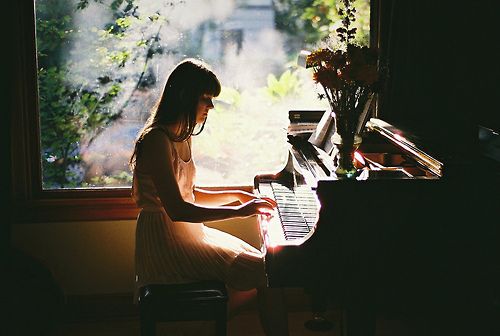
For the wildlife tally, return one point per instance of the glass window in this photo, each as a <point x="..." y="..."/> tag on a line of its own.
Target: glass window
<point x="101" y="65"/>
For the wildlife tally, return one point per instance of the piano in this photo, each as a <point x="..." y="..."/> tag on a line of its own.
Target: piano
<point x="395" y="236"/>
<point x="417" y="233"/>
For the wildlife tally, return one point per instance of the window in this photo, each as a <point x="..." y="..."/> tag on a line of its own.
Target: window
<point x="100" y="66"/>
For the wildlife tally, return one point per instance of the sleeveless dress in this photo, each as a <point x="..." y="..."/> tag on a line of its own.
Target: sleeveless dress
<point x="168" y="252"/>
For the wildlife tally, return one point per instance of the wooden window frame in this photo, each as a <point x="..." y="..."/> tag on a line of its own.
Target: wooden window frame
<point x="31" y="203"/>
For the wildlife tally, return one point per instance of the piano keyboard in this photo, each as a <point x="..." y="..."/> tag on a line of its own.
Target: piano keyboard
<point x="297" y="210"/>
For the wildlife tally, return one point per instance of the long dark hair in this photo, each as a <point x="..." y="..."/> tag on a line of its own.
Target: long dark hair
<point x="189" y="80"/>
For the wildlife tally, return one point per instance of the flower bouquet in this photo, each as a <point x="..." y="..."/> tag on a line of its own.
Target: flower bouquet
<point x="349" y="75"/>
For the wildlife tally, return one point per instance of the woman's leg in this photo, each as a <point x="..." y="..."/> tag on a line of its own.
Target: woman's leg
<point x="271" y="305"/>
<point x="239" y="301"/>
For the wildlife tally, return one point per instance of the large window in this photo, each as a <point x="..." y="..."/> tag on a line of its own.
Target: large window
<point x="101" y="65"/>
<point x="91" y="70"/>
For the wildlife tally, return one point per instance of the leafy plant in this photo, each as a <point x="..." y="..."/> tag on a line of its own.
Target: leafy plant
<point x="287" y="84"/>
<point x="80" y="96"/>
<point x="308" y="22"/>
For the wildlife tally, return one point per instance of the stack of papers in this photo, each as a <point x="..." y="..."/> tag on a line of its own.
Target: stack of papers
<point x="301" y="128"/>
<point x="303" y="122"/>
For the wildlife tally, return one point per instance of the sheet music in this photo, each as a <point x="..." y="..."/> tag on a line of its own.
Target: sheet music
<point x="364" y="115"/>
<point x="322" y="135"/>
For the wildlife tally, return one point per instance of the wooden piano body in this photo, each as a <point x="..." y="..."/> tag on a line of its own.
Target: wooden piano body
<point x="404" y="238"/>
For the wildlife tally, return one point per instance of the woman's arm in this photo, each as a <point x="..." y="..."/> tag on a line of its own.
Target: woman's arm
<point x="221" y="197"/>
<point x="226" y="197"/>
<point x="156" y="159"/>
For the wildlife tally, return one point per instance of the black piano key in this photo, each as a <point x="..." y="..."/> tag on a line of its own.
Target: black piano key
<point x="289" y="223"/>
<point x="289" y="231"/>
<point x="289" y="214"/>
<point x="294" y="223"/>
<point x="297" y="221"/>
<point x="292" y="220"/>
<point x="294" y="236"/>
<point x="295" y="226"/>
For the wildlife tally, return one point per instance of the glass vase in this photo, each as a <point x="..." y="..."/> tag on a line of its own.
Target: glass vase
<point x="347" y="142"/>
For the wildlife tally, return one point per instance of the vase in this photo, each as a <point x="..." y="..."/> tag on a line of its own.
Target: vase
<point x="347" y="141"/>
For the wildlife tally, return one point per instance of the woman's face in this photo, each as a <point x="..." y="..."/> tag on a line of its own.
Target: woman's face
<point x="204" y="105"/>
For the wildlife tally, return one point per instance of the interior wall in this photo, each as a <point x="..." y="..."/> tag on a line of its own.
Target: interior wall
<point x="85" y="258"/>
<point x="95" y="258"/>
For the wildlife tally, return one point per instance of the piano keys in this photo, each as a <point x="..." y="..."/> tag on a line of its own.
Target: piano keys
<point x="297" y="212"/>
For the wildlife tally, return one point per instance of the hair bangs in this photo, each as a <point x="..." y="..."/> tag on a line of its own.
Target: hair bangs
<point x="209" y="84"/>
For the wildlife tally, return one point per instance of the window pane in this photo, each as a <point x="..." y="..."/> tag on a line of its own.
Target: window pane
<point x="101" y="65"/>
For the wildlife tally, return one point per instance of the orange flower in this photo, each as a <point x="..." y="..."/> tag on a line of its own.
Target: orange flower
<point x="338" y="59"/>
<point x="319" y="57"/>
<point x="328" y="78"/>
<point x="362" y="74"/>
<point x="349" y="73"/>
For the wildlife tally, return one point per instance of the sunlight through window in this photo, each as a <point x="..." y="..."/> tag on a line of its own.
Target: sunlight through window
<point x="101" y="65"/>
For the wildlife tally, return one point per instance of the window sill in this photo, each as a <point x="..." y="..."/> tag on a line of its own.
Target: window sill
<point x="76" y="209"/>
<point x="85" y="205"/>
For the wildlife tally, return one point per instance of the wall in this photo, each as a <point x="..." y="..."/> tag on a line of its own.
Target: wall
<point x="86" y="258"/>
<point x="95" y="258"/>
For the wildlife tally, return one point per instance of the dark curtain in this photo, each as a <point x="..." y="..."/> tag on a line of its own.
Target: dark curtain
<point x="9" y="56"/>
<point x="31" y="298"/>
<point x="443" y="72"/>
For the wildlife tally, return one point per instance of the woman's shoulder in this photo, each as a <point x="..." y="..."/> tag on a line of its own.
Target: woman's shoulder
<point x="157" y="135"/>
<point x="157" y="132"/>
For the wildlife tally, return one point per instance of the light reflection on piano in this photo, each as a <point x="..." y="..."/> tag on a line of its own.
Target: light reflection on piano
<point x="295" y="218"/>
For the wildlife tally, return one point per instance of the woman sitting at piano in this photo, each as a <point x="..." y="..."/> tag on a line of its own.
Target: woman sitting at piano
<point x="172" y="244"/>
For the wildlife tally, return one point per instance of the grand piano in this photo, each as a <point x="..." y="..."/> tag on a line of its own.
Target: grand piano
<point x="416" y="233"/>
<point x="399" y="235"/>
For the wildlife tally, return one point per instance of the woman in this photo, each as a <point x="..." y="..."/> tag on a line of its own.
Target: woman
<point x="172" y="244"/>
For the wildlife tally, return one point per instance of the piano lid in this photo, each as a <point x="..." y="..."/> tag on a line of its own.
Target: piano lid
<point x="407" y="142"/>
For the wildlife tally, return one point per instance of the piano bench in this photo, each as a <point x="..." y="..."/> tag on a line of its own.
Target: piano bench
<point x="199" y="301"/>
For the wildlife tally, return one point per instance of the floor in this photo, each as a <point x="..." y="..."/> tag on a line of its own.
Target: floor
<point x="245" y="323"/>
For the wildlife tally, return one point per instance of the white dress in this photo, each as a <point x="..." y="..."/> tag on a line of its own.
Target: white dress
<point x="168" y="252"/>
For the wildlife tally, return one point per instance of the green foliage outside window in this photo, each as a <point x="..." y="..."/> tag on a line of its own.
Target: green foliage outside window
<point x="308" y="22"/>
<point x="84" y="87"/>
<point x="287" y="84"/>
<point x="73" y="113"/>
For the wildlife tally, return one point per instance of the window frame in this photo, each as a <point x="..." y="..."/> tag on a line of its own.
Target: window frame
<point x="33" y="204"/>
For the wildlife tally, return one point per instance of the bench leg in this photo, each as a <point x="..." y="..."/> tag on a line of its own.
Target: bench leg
<point x="221" y="321"/>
